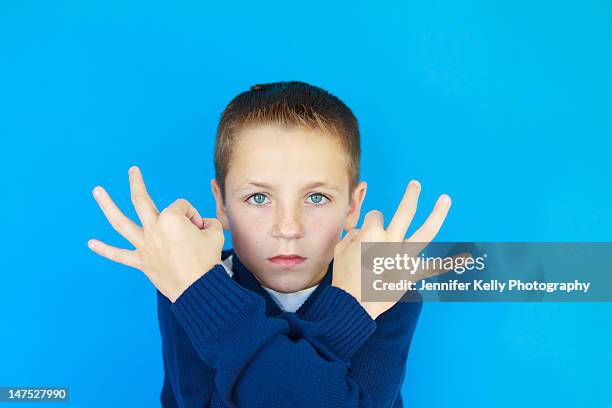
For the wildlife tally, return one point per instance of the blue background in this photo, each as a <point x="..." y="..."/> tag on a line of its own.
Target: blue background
<point x="504" y="106"/>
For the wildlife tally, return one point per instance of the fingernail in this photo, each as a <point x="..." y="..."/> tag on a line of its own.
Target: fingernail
<point x="96" y="191"/>
<point x="91" y="243"/>
<point x="132" y="170"/>
<point x="415" y="183"/>
<point x="446" y="199"/>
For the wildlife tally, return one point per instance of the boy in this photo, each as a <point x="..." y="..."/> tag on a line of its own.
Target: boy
<point x="277" y="320"/>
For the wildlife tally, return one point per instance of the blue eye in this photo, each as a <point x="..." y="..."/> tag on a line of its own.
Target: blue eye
<point x="258" y="199"/>
<point x="317" y="198"/>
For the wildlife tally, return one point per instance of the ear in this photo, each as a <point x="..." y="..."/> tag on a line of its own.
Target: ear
<point x="220" y="207"/>
<point x="355" y="206"/>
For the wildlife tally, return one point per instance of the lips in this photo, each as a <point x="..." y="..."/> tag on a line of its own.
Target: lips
<point x="287" y="260"/>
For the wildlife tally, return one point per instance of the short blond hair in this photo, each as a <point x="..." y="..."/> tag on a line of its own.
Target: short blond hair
<point x="287" y="104"/>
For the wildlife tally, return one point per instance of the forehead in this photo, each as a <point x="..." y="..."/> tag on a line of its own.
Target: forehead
<point x="287" y="156"/>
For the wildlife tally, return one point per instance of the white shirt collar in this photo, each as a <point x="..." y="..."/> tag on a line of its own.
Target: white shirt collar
<point x="288" y="302"/>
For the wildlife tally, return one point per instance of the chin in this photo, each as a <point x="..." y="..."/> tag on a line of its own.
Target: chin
<point x="287" y="284"/>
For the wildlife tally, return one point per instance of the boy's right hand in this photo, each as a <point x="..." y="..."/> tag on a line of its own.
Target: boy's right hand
<point x="347" y="254"/>
<point x="174" y="248"/>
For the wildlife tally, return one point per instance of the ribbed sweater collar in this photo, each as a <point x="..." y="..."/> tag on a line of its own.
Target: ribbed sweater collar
<point x="245" y="277"/>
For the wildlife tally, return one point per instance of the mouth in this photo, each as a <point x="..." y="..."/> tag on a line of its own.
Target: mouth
<point x="287" y="260"/>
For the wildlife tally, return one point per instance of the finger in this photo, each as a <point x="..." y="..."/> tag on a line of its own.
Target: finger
<point x="145" y="208"/>
<point x="211" y="223"/>
<point x="373" y="219"/>
<point x="122" y="224"/>
<point x="446" y="266"/>
<point x="184" y="207"/>
<point x="123" y="256"/>
<point x="196" y="219"/>
<point x="432" y="224"/>
<point x="350" y="236"/>
<point x="405" y="212"/>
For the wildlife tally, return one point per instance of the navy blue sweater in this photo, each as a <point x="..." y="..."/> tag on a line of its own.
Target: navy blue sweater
<point x="226" y="343"/>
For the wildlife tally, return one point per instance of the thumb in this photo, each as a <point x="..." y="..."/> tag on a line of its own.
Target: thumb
<point x="212" y="224"/>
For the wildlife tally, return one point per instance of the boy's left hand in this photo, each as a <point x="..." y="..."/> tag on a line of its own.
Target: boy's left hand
<point x="174" y="248"/>
<point x="347" y="253"/>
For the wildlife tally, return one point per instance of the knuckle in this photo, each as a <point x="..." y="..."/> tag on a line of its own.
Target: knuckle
<point x="180" y="202"/>
<point x="118" y="224"/>
<point x="139" y="264"/>
<point x="136" y="197"/>
<point x="166" y="216"/>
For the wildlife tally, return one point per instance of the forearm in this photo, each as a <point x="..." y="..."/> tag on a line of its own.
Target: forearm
<point x="261" y="360"/>
<point x="378" y="365"/>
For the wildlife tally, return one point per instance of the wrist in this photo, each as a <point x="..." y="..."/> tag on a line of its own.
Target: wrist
<point x="371" y="308"/>
<point x="355" y="292"/>
<point x="197" y="274"/>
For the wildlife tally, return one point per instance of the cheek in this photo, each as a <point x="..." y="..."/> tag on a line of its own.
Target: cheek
<point x="248" y="230"/>
<point x="325" y="229"/>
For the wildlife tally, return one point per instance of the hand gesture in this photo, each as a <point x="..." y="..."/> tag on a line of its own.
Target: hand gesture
<point x="173" y="248"/>
<point x="347" y="254"/>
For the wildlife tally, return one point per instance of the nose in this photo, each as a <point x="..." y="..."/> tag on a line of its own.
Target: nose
<point x="288" y="224"/>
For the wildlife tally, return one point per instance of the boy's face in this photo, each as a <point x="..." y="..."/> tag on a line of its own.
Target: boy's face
<point x="286" y="192"/>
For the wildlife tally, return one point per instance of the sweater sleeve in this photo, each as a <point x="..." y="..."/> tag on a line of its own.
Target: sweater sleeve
<point x="331" y="321"/>
<point x="379" y="364"/>
<point x="259" y="360"/>
<point x="188" y="381"/>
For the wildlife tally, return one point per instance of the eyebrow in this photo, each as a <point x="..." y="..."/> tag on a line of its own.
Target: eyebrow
<point x="253" y="183"/>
